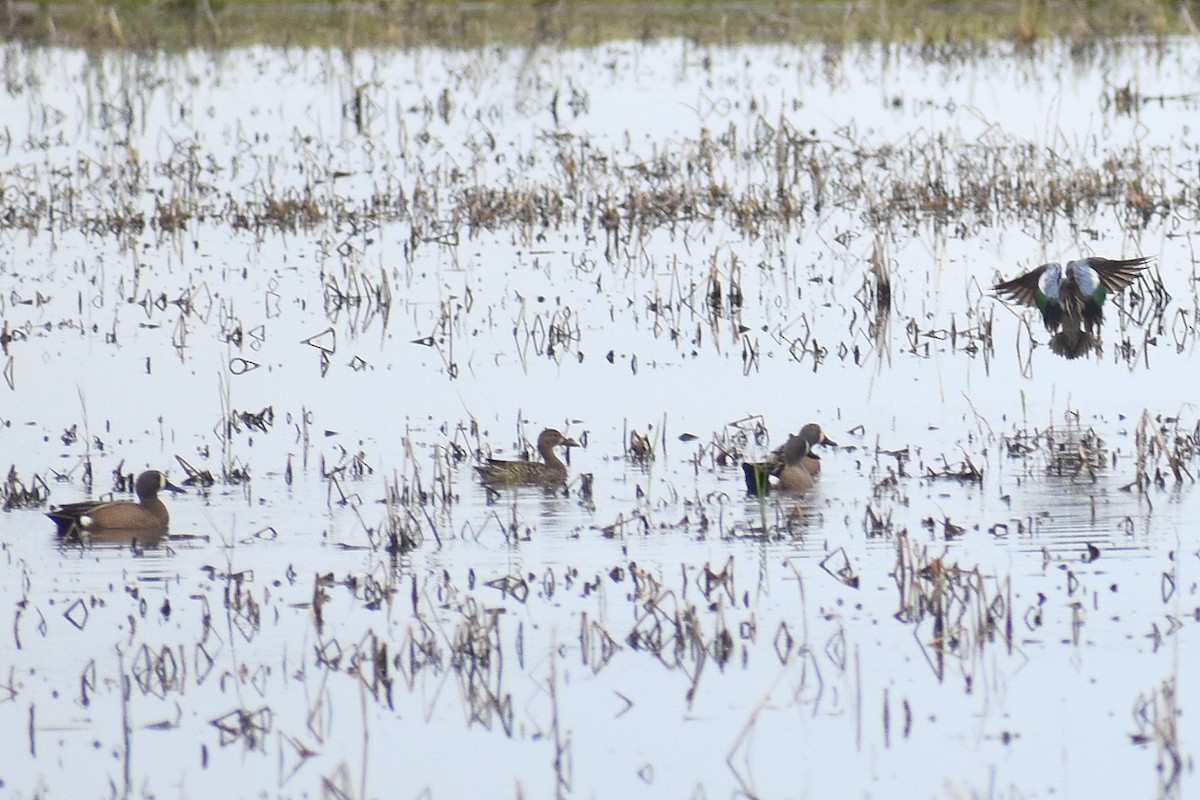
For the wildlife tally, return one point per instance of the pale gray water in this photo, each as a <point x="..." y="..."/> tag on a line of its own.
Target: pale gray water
<point x="825" y="691"/>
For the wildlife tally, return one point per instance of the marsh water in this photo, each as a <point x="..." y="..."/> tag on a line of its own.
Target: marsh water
<point x="335" y="279"/>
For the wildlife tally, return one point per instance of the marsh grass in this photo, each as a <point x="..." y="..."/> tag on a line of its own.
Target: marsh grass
<point x="940" y="29"/>
<point x="14" y="493"/>
<point x="956" y="612"/>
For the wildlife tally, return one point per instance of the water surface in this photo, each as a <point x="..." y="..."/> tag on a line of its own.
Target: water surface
<point x="354" y="272"/>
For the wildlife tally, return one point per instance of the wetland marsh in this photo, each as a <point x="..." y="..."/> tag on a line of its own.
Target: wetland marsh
<point x="323" y="283"/>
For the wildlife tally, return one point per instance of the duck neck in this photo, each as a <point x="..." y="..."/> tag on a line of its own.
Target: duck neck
<point x="551" y="458"/>
<point x="157" y="509"/>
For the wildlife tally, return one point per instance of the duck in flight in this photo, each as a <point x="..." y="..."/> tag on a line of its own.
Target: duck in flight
<point x="1071" y="299"/>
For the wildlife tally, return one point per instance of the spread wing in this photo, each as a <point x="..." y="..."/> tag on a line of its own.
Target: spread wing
<point x="1024" y="288"/>
<point x="1116" y="274"/>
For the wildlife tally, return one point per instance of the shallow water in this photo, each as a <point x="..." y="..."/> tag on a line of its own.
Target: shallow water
<point x="196" y="239"/>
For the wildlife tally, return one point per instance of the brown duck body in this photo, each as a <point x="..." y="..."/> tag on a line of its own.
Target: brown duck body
<point x="794" y="465"/>
<point x="147" y="514"/>
<point x="549" y="470"/>
<point x="795" y="475"/>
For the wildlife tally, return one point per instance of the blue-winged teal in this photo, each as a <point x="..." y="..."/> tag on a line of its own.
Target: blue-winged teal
<point x="148" y="514"/>
<point x="549" y="470"/>
<point x="1072" y="299"/>
<point x="795" y="475"/>
<point x="797" y="452"/>
<point x="812" y="434"/>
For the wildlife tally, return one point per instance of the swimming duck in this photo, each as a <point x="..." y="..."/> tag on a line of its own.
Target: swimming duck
<point x="795" y="475"/>
<point x="148" y="513"/>
<point x="799" y="449"/>
<point x="549" y="470"/>
<point x="812" y="434"/>
<point x="1072" y="299"/>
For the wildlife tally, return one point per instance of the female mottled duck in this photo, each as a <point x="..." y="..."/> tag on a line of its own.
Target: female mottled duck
<point x="549" y="470"/>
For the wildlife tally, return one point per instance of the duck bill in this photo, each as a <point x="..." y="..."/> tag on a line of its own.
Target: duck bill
<point x="570" y="443"/>
<point x="170" y="487"/>
<point x="828" y="443"/>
